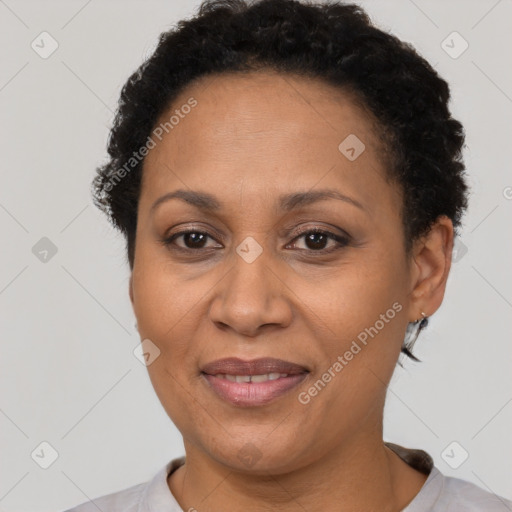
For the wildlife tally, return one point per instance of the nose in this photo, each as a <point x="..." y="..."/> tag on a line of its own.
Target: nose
<point x="252" y="298"/>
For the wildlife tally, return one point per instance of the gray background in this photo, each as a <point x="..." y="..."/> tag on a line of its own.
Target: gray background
<point x="68" y="375"/>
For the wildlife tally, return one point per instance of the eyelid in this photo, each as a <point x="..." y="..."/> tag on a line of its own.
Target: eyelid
<point x="210" y="231"/>
<point x="330" y="230"/>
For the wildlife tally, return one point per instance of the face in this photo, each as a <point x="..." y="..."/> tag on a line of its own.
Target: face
<point x="293" y="251"/>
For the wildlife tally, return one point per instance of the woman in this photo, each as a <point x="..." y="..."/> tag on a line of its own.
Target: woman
<point x="289" y="180"/>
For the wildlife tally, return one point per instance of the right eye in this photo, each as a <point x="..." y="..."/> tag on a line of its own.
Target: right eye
<point x="193" y="240"/>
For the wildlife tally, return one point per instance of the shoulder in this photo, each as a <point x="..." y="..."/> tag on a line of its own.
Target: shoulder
<point x="460" y="495"/>
<point x="152" y="495"/>
<point x="127" y="500"/>
<point x="441" y="493"/>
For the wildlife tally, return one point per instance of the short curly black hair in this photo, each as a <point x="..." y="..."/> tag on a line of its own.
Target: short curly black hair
<point x="335" y="42"/>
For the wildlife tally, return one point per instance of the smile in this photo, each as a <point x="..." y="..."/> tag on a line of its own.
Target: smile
<point x="252" y="390"/>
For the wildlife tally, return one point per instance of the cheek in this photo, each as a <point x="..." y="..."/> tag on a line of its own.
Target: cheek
<point x="360" y="316"/>
<point x="162" y="299"/>
<point x="360" y="332"/>
<point x="167" y="308"/>
<point x="354" y="296"/>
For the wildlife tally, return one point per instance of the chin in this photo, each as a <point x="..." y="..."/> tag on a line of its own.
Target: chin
<point x="255" y="456"/>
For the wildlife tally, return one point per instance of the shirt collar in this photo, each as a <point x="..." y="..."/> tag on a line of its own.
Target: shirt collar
<point x="158" y="497"/>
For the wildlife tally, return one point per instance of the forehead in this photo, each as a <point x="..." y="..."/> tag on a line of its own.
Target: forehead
<point x="264" y="131"/>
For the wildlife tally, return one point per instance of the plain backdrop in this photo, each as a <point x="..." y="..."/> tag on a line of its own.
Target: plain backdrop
<point x="68" y="374"/>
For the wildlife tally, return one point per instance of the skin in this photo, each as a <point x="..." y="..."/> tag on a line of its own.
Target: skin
<point x="250" y="139"/>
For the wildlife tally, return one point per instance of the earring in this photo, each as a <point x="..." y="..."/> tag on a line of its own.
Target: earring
<point x="412" y="332"/>
<point x="421" y="324"/>
<point x="422" y="321"/>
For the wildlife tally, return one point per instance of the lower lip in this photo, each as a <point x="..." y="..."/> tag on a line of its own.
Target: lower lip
<point x="252" y="394"/>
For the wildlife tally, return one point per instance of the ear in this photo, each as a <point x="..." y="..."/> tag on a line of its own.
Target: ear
<point x="431" y="261"/>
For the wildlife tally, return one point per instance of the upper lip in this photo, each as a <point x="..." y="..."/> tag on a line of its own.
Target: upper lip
<point x="262" y="366"/>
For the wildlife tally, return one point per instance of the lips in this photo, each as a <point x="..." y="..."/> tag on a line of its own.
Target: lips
<point x="252" y="383"/>
<point x="235" y="366"/>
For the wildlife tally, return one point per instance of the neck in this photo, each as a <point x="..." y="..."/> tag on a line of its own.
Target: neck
<point x="360" y="474"/>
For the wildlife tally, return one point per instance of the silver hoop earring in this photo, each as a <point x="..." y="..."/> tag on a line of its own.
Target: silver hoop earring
<point x="413" y="331"/>
<point x="422" y="321"/>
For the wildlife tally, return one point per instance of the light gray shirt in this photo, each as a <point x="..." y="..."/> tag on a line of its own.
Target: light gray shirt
<point x="438" y="494"/>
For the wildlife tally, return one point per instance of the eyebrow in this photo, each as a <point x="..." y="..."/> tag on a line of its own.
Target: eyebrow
<point x="288" y="202"/>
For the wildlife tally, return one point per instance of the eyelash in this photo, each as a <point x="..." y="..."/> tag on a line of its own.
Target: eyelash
<point x="341" y="240"/>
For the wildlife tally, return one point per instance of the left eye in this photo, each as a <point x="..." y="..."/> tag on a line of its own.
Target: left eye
<point x="316" y="240"/>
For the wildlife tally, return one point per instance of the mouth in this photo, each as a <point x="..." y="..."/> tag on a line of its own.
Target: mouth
<point x="252" y="383"/>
